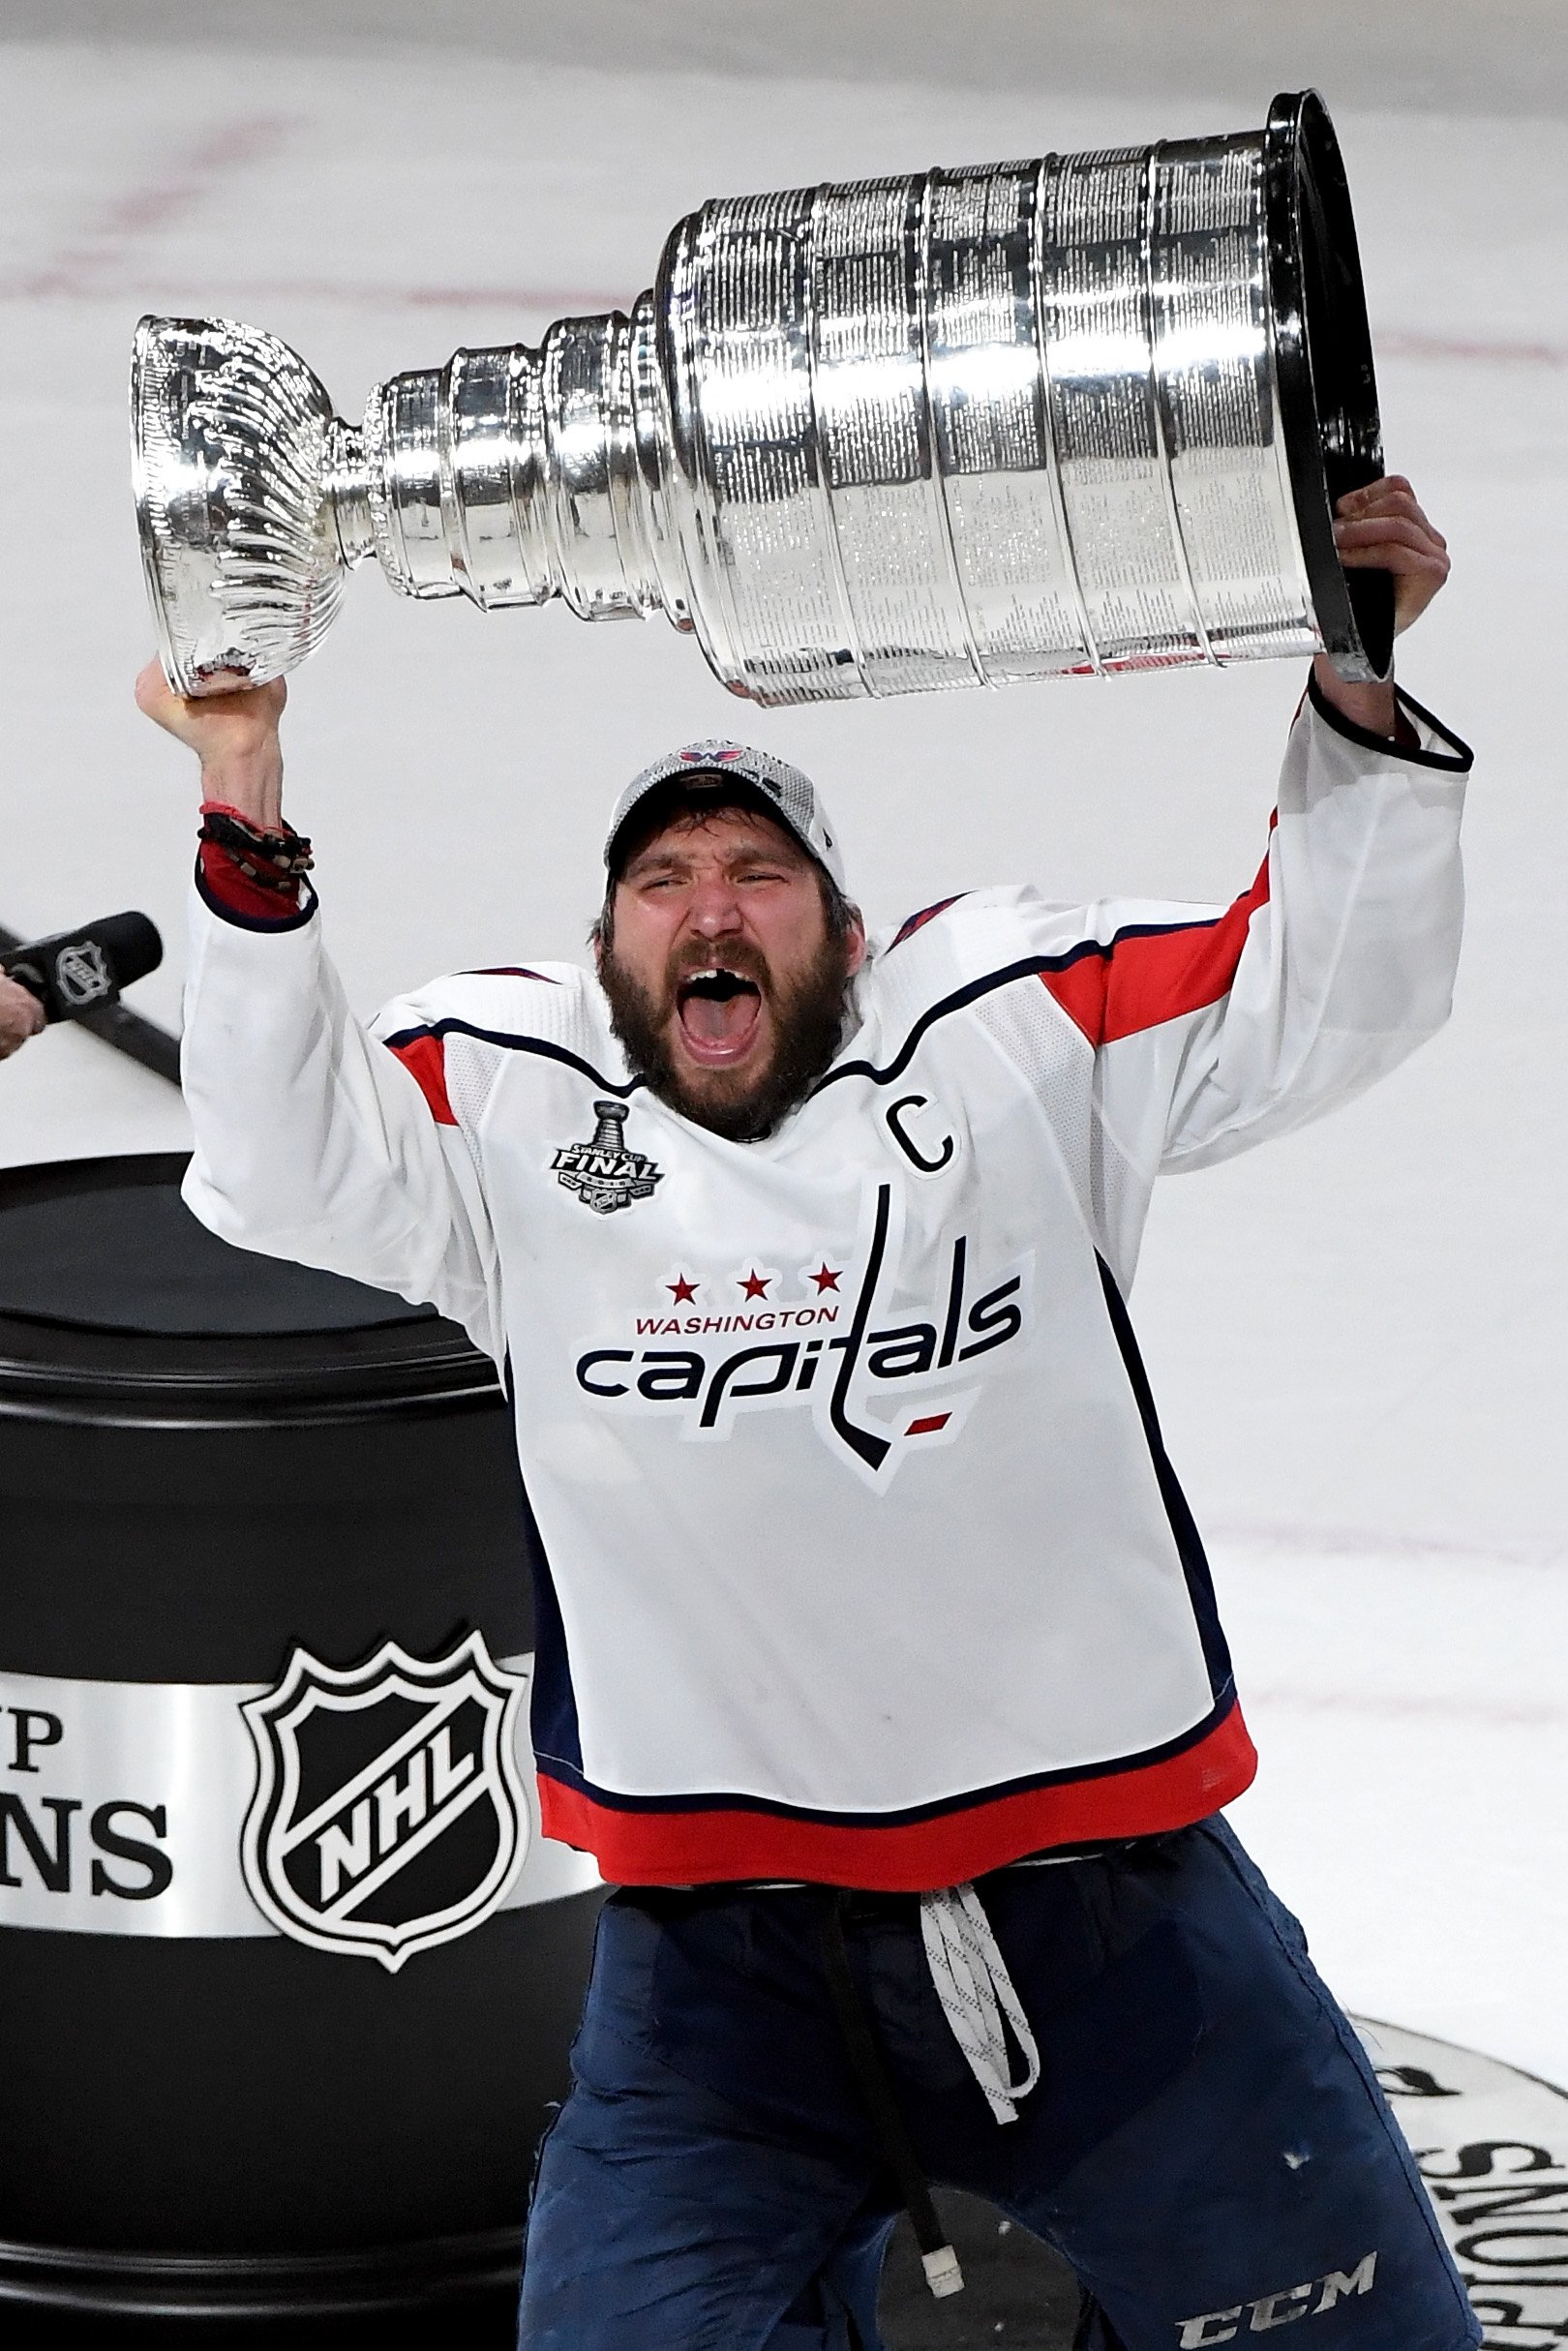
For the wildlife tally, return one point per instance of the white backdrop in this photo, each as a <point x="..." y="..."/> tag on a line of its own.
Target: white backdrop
<point x="1356" y="1334"/>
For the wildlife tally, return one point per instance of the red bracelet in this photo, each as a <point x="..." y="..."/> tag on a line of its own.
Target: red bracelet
<point x="238" y="895"/>
<point x="272" y="857"/>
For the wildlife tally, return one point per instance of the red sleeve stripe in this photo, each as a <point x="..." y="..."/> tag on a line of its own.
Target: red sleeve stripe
<point x="1142" y="978"/>
<point x="424" y="1057"/>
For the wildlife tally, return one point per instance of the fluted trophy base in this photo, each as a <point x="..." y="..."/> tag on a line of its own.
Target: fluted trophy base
<point x="1073" y="416"/>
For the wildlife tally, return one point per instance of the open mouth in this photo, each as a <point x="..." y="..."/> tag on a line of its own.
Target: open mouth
<point x="719" y="1012"/>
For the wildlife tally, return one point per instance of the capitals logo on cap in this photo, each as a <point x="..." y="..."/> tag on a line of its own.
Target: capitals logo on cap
<point x="791" y="796"/>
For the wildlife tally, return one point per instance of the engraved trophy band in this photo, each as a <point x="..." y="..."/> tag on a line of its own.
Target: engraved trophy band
<point x="1082" y="415"/>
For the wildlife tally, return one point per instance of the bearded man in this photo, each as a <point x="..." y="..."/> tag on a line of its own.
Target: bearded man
<point x="878" y="1662"/>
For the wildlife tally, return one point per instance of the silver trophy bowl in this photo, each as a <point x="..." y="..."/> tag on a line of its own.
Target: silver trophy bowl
<point x="1077" y="415"/>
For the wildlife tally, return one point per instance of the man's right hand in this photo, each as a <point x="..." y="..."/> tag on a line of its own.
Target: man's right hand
<point x="21" y="1015"/>
<point x="235" y="735"/>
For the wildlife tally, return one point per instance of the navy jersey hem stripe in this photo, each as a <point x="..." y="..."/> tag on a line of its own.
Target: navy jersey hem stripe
<point x="570" y="1775"/>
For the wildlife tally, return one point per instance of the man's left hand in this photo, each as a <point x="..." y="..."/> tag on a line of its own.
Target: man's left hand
<point x="1382" y="528"/>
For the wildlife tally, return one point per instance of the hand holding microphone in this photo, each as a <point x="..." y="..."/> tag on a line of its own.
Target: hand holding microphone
<point x="79" y="971"/>
<point x="78" y="975"/>
<point x="21" y="1017"/>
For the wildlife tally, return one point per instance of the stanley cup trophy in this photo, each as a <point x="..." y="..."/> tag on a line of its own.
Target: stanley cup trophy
<point x="1078" y="415"/>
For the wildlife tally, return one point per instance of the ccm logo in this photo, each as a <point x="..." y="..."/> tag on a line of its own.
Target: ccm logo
<point x="1278" y="2310"/>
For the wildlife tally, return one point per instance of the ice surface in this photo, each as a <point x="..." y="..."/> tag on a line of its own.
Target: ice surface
<point x="1356" y="1335"/>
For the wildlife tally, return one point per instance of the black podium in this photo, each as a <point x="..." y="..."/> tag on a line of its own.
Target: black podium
<point x="282" y="2059"/>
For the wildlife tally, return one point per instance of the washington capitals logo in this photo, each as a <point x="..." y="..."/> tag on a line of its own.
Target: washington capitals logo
<point x="390" y="1813"/>
<point x="602" y="1172"/>
<point x="882" y="1372"/>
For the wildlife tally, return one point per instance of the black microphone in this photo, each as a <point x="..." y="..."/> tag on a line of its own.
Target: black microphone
<point x="76" y="973"/>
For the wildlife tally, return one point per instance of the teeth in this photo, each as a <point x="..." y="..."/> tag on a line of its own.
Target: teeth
<point x="716" y="982"/>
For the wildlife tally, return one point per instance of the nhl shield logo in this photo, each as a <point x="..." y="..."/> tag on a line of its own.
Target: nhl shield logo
<point x="390" y="1813"/>
<point x="82" y="975"/>
<point x="602" y="1172"/>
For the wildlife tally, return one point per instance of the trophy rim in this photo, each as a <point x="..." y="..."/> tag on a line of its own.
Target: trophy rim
<point x="1305" y="198"/>
<point x="281" y="591"/>
<point x="144" y="343"/>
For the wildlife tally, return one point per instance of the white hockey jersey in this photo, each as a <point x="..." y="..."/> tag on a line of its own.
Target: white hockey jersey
<point x="858" y="1555"/>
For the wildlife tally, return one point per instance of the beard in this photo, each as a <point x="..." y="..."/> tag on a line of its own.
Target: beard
<point x="809" y="1010"/>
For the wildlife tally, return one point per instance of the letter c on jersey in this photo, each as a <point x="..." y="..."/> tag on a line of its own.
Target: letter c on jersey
<point x="600" y="1355"/>
<point x="917" y="1158"/>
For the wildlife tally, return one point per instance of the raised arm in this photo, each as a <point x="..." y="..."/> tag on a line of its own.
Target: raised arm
<point x="313" y="1142"/>
<point x="1217" y="1027"/>
<point x="1340" y="960"/>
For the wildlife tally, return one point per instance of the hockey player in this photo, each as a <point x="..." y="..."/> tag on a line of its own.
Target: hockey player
<point x="878" y="1662"/>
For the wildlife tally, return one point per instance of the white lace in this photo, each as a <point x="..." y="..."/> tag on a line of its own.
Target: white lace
<point x="975" y="1991"/>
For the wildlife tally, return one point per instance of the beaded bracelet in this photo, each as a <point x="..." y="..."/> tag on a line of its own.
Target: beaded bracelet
<point x="271" y="858"/>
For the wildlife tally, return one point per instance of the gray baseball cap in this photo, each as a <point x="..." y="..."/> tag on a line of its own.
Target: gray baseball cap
<point x="788" y="794"/>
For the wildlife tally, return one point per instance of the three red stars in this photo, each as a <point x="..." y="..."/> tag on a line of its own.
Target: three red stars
<point x="754" y="1285"/>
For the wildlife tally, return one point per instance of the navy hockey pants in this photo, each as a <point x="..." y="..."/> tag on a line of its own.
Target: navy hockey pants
<point x="1208" y="2146"/>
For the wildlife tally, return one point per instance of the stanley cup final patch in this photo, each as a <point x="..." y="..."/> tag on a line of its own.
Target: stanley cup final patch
<point x="602" y="1172"/>
<point x="390" y="1813"/>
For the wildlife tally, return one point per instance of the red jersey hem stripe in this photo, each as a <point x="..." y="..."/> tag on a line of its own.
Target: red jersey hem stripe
<point x="706" y="1847"/>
